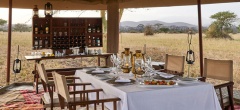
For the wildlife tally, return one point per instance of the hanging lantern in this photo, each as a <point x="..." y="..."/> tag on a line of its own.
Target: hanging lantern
<point x="17" y="64"/>
<point x="190" y="58"/>
<point x="137" y="63"/>
<point x="126" y="55"/>
<point x="48" y="10"/>
<point x="35" y="12"/>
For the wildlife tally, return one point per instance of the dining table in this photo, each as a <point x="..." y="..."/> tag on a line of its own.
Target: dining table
<point x="134" y="96"/>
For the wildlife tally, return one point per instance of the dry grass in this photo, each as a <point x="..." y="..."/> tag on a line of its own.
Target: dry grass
<point x="157" y="46"/>
<point x="176" y="44"/>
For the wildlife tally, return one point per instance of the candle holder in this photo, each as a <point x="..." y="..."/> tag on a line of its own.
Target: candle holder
<point x="137" y="63"/>
<point x="35" y="12"/>
<point x="126" y="55"/>
<point x="48" y="10"/>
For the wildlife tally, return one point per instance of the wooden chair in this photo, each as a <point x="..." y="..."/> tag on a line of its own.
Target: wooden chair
<point x="174" y="65"/>
<point x="50" y="98"/>
<point x="64" y="94"/>
<point x="220" y="70"/>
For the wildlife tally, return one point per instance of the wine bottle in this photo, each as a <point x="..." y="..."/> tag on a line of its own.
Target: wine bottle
<point x="98" y="29"/>
<point x="47" y="28"/>
<point x="36" y="41"/>
<point x="46" y="42"/>
<point x="40" y="42"/>
<point x="93" y="29"/>
<point x="65" y="32"/>
<point x="98" y="42"/>
<point x="89" y="28"/>
<point x="35" y="28"/>
<point x="89" y="41"/>
<point x="41" y="29"/>
<point x="93" y="41"/>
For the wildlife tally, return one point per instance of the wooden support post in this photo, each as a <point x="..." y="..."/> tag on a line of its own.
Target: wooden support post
<point x="112" y="27"/>
<point x="9" y="41"/>
<point x="200" y="36"/>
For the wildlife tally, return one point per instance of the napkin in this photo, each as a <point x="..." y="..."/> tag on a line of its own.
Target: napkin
<point x="121" y="79"/>
<point x="98" y="71"/>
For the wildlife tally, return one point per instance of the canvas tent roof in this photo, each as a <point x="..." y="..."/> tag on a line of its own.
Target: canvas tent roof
<point x="101" y="4"/>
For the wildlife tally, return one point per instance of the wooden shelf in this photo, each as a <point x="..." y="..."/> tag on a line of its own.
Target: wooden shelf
<point x="64" y="33"/>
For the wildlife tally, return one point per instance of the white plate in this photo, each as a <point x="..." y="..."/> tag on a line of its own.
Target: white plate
<point x="165" y="75"/>
<point x="105" y="69"/>
<point x="187" y="79"/>
<point x="98" y="72"/>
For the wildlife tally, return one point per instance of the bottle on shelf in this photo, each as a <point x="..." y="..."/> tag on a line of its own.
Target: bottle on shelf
<point x="40" y="42"/>
<point x="89" y="41"/>
<point x="93" y="29"/>
<point x="35" y="41"/>
<point x="41" y="29"/>
<point x="98" y="43"/>
<point x="98" y="29"/>
<point x="93" y="41"/>
<point x="47" y="28"/>
<point x="89" y="28"/>
<point x="65" y="32"/>
<point x="46" y="42"/>
<point x="35" y="28"/>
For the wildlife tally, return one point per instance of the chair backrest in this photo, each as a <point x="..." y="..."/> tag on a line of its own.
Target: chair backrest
<point x="174" y="63"/>
<point x="42" y="73"/>
<point x="61" y="86"/>
<point x="218" y="69"/>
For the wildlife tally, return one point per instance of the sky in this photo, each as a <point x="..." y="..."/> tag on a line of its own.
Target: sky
<point x="186" y="14"/>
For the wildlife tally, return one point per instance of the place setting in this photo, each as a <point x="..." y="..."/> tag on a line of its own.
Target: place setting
<point x="187" y="81"/>
<point x="97" y="70"/>
<point x="120" y="81"/>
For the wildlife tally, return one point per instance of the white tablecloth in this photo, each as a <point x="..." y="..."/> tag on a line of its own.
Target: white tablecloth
<point x="199" y="96"/>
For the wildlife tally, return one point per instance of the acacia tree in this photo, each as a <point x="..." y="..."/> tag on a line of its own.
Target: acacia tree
<point x="21" y="27"/>
<point x="2" y="22"/>
<point x="221" y="27"/>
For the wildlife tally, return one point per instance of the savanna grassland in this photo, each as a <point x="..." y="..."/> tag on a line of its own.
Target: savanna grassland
<point x="157" y="46"/>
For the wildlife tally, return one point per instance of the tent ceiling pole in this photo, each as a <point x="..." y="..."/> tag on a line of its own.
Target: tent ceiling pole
<point x="112" y="27"/>
<point x="9" y="41"/>
<point x="200" y="36"/>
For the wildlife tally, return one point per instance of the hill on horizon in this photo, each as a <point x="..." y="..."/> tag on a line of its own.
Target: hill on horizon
<point x="152" y="22"/>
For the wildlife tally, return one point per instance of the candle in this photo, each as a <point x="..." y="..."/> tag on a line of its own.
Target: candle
<point x="126" y="65"/>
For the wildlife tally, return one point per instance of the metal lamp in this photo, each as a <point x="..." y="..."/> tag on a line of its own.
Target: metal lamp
<point x="35" y="12"/>
<point x="190" y="58"/>
<point x="137" y="62"/>
<point x="17" y="64"/>
<point x="126" y="55"/>
<point x="48" y="10"/>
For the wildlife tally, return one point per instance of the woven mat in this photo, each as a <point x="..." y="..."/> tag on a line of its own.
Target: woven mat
<point x="20" y="100"/>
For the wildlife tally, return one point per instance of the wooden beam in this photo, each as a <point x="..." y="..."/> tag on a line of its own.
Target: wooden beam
<point x="200" y="36"/>
<point x="9" y="41"/>
<point x="112" y="27"/>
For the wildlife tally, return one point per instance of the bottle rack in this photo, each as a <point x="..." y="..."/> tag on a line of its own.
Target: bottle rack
<point x="65" y="33"/>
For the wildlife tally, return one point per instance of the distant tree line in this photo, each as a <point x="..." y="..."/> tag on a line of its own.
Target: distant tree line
<point x="157" y="28"/>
